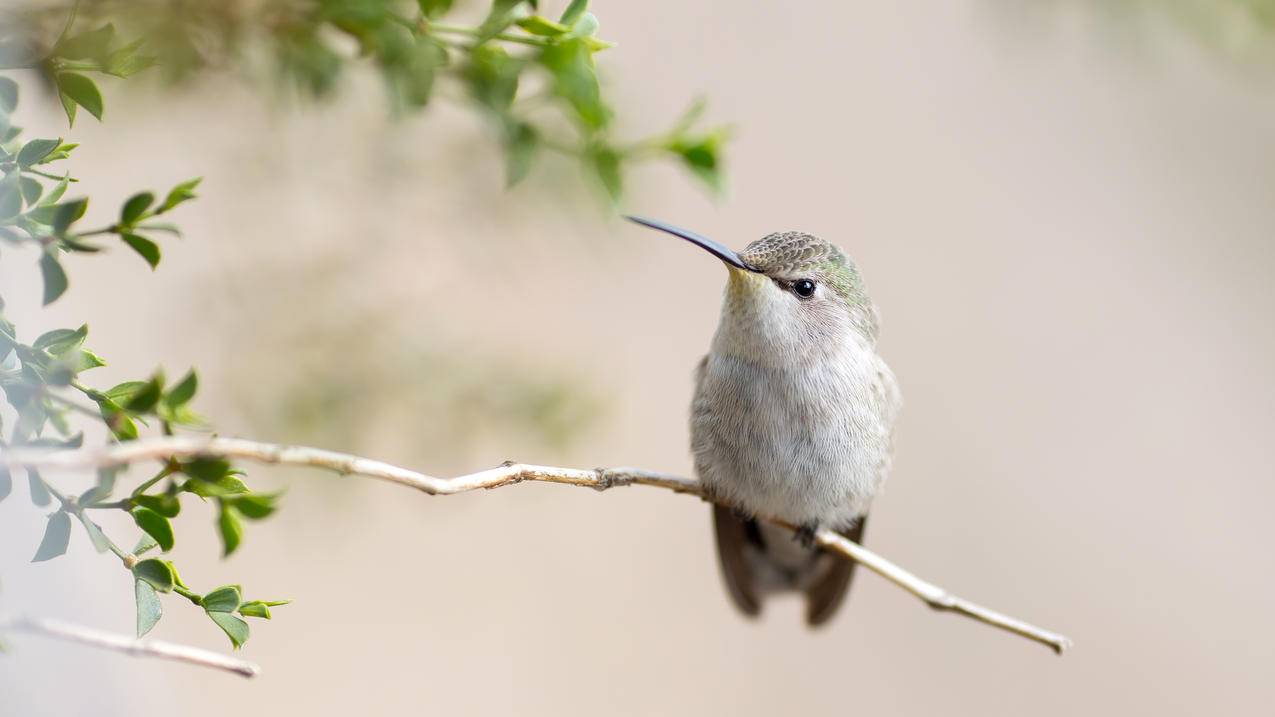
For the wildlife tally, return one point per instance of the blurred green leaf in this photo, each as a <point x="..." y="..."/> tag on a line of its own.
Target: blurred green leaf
<point x="235" y="629"/>
<point x="230" y="529"/>
<point x="149" y="609"/>
<point x="520" y="151"/>
<point x="31" y="190"/>
<point x="254" y="506"/>
<point x="135" y="207"/>
<point x="573" y="12"/>
<point x="67" y="213"/>
<point x="181" y="394"/>
<point x="53" y="276"/>
<point x="39" y="494"/>
<point x="8" y="95"/>
<point x="6" y="482"/>
<point x="181" y="193"/>
<point x="144" y="398"/>
<point x="144" y="544"/>
<point x="148" y="249"/>
<point x="102" y="489"/>
<point x="82" y="90"/>
<point x="36" y="150"/>
<point x="165" y="504"/>
<point x="59" y="341"/>
<point x="96" y="536"/>
<point x="155" y="525"/>
<point x="158" y="573"/>
<point x="57" y="535"/>
<point x="434" y="8"/>
<point x="224" y="599"/>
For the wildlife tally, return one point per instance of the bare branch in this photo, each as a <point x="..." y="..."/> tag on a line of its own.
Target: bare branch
<point x="507" y="474"/>
<point x="128" y="645"/>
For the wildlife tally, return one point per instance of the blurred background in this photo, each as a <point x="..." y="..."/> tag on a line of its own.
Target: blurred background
<point x="1063" y="209"/>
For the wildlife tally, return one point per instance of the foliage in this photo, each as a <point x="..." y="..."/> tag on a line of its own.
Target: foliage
<point x="534" y="78"/>
<point x="50" y="403"/>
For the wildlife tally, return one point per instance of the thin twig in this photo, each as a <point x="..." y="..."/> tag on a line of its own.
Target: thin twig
<point x="128" y="645"/>
<point x="507" y="474"/>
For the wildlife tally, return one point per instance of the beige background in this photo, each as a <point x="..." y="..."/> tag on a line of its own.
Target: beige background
<point x="1066" y="219"/>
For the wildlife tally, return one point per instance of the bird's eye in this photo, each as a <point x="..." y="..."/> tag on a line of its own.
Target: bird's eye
<point x="804" y="288"/>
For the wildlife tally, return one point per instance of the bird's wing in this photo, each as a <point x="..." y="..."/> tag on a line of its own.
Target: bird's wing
<point x="826" y="594"/>
<point x="734" y="540"/>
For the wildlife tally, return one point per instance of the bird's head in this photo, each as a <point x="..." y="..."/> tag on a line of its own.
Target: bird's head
<point x="792" y="297"/>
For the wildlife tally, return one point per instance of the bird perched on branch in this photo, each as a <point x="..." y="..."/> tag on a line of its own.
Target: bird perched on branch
<point x="793" y="416"/>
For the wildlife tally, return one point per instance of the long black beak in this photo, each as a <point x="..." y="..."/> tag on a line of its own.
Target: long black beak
<point x="720" y="251"/>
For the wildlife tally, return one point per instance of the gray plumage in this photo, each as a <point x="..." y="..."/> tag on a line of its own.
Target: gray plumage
<point x="792" y="418"/>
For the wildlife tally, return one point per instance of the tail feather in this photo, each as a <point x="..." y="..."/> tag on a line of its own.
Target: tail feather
<point x="752" y="565"/>
<point x="826" y="594"/>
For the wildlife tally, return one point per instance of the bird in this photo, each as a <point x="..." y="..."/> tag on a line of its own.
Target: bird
<point x="792" y="416"/>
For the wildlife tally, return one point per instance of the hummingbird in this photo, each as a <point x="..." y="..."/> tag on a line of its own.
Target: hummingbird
<point x="792" y="417"/>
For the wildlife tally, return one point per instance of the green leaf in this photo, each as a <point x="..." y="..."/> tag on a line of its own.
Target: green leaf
<point x="230" y="528"/>
<point x="104" y="487"/>
<point x="54" y="278"/>
<point x="224" y="599"/>
<point x="35" y="150"/>
<point x="10" y="196"/>
<point x="224" y="486"/>
<point x="144" y="544"/>
<point x="59" y="341"/>
<point x="573" y="12"/>
<point x="96" y="536"/>
<point x="207" y="469"/>
<point x="606" y="163"/>
<point x="69" y="107"/>
<point x="148" y="249"/>
<point x="6" y="482"/>
<point x="576" y="80"/>
<point x="58" y="190"/>
<point x="537" y="25"/>
<point x="8" y="95"/>
<point x="255" y="608"/>
<point x="82" y="90"/>
<point x="127" y="61"/>
<point x="39" y="494"/>
<point x="520" y="151"/>
<point x="181" y="394"/>
<point x="149" y="609"/>
<point x="165" y="504"/>
<point x="254" y="506"/>
<point x="434" y="8"/>
<point x="67" y="213"/>
<point x="122" y="393"/>
<point x="31" y="190"/>
<point x="159" y="573"/>
<point x="88" y="45"/>
<point x="235" y="629"/>
<point x="155" y="525"/>
<point x="135" y="206"/>
<point x="145" y="398"/>
<point x="57" y="535"/>
<point x="181" y="193"/>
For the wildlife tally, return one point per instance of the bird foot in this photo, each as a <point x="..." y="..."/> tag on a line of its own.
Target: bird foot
<point x="806" y="535"/>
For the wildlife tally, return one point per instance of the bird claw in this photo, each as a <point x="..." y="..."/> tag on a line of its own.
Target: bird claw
<point x="806" y="535"/>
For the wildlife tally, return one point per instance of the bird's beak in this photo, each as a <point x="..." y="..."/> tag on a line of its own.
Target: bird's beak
<point x="720" y="251"/>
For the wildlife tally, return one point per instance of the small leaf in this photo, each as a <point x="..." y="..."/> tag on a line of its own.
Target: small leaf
<point x="159" y="573"/>
<point x="105" y="485"/>
<point x="69" y="107"/>
<point x="165" y="504"/>
<point x="181" y="394"/>
<point x="144" y="544"/>
<point x="224" y="486"/>
<point x="36" y="150"/>
<point x="145" y="398"/>
<point x="39" y="494"/>
<point x="254" y="506"/>
<point x="31" y="190"/>
<point x="100" y="543"/>
<point x="67" y="213"/>
<point x="6" y="482"/>
<point x="230" y="528"/>
<point x="54" y="278"/>
<point x="8" y="95"/>
<point x="520" y="150"/>
<point x="155" y="525"/>
<point x="148" y="249"/>
<point x="235" y="629"/>
<point x="255" y="608"/>
<point x="224" y="599"/>
<point x="82" y="90"/>
<point x="10" y="196"/>
<point x="57" y="535"/>
<point x="59" y="341"/>
<point x="135" y="206"/>
<point x="149" y="609"/>
<point x="433" y="8"/>
<point x="537" y="25"/>
<point x="573" y="12"/>
<point x="181" y="193"/>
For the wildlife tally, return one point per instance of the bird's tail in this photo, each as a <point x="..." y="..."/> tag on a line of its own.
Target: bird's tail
<point x="757" y="559"/>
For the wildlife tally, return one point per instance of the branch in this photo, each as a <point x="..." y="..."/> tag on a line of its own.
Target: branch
<point x="507" y="474"/>
<point x="129" y="645"/>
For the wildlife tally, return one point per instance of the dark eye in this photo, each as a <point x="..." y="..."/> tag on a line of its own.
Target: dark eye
<point x="803" y="288"/>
